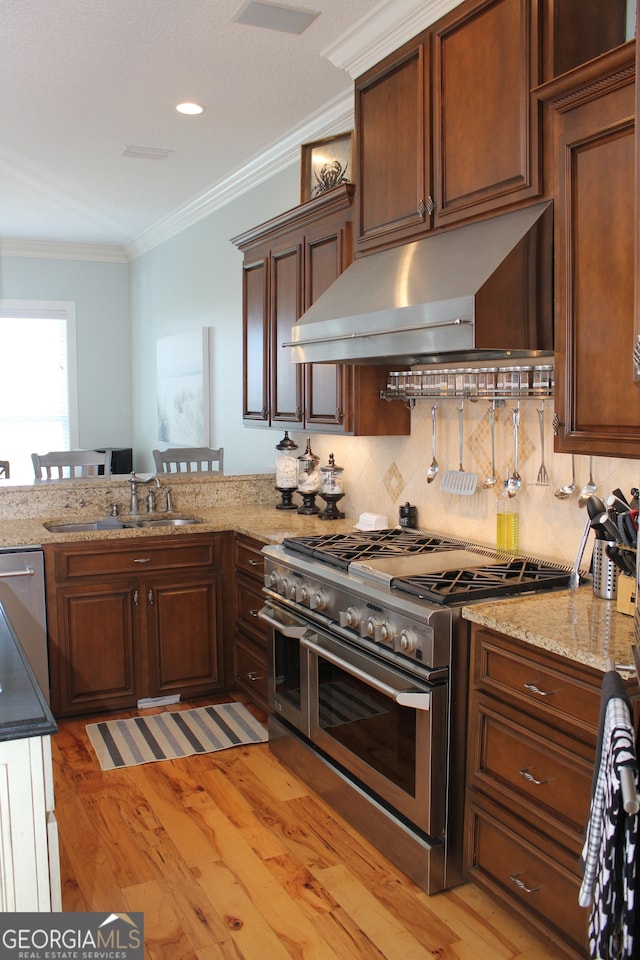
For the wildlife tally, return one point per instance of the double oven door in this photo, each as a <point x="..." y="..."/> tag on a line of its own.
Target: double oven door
<point x="383" y="727"/>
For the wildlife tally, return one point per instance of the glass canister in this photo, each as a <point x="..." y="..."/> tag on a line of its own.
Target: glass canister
<point x="507" y="522"/>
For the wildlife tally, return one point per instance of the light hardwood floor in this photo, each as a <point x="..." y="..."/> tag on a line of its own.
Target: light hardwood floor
<point x="230" y="857"/>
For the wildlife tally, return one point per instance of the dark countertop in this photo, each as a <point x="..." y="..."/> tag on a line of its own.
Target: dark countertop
<point x="24" y="711"/>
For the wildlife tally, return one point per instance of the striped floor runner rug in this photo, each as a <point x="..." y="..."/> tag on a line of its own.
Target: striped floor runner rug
<point x="166" y="736"/>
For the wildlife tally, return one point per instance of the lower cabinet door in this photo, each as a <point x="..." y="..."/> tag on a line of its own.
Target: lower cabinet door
<point x="535" y="876"/>
<point x="184" y="636"/>
<point x="92" y="663"/>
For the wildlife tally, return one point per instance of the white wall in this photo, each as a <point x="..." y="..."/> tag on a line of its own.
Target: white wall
<point x="101" y="294"/>
<point x="195" y="280"/>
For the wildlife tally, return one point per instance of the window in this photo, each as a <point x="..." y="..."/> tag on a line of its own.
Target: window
<point x="38" y="375"/>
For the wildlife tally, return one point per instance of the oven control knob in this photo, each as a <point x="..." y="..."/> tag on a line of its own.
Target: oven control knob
<point x="284" y="587"/>
<point x="318" y="601"/>
<point x="372" y="628"/>
<point x="407" y="641"/>
<point x="274" y="580"/>
<point x="349" y="618"/>
<point x="387" y="632"/>
<point x="303" y="595"/>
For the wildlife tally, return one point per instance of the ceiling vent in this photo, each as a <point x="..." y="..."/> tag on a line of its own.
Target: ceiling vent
<point x="145" y="153"/>
<point x="273" y="16"/>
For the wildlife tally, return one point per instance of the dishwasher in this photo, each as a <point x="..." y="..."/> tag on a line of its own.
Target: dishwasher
<point x="22" y="595"/>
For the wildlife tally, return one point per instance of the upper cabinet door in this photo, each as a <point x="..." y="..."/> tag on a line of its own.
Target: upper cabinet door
<point x="594" y="134"/>
<point x="486" y="148"/>
<point x="392" y="111"/>
<point x="255" y="338"/>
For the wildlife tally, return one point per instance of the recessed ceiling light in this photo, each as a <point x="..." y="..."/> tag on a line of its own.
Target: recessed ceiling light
<point x="145" y="153"/>
<point x="275" y="16"/>
<point x="189" y="108"/>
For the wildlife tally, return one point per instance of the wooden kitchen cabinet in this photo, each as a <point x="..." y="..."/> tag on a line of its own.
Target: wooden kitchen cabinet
<point x="250" y="633"/>
<point x="446" y="130"/>
<point x="393" y="148"/>
<point x="288" y="263"/>
<point x="134" y="619"/>
<point x="590" y="118"/>
<point x="533" y="727"/>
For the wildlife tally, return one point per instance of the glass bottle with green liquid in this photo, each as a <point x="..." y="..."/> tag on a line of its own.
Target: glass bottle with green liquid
<point x="507" y="522"/>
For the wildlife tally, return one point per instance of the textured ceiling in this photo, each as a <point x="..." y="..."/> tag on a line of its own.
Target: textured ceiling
<point x="82" y="79"/>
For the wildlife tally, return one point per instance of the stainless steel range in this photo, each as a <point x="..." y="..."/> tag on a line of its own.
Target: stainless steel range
<point x="368" y="679"/>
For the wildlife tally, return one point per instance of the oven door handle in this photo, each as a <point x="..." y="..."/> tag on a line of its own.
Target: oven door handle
<point x="295" y="633"/>
<point x="416" y="699"/>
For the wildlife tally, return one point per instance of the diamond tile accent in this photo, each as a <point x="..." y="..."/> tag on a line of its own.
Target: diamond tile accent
<point x="394" y="482"/>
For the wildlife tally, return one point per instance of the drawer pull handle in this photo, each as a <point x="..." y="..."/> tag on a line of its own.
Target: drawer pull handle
<point x="531" y="687"/>
<point x="142" y="560"/>
<point x="255" y="563"/>
<point x="530" y="777"/>
<point x="253" y="676"/>
<point x="515" y="877"/>
<point x="254" y="612"/>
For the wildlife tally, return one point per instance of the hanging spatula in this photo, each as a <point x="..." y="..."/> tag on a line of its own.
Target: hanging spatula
<point x="458" y="481"/>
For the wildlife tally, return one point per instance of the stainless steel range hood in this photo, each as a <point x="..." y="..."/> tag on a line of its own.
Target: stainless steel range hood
<point x="483" y="291"/>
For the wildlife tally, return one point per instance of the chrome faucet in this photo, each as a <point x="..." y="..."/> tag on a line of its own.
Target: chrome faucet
<point x="134" y="480"/>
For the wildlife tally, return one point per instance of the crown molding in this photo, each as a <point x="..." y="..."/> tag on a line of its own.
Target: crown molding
<point x="389" y="25"/>
<point x="59" y="250"/>
<point x="335" y="117"/>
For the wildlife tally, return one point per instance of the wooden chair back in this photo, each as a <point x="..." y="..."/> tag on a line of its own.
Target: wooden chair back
<point x="189" y="460"/>
<point x="71" y="464"/>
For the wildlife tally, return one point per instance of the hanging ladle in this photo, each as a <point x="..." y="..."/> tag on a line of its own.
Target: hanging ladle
<point x="569" y="488"/>
<point x="432" y="472"/>
<point x="491" y="481"/>
<point x="515" y="480"/>
<point x="589" y="488"/>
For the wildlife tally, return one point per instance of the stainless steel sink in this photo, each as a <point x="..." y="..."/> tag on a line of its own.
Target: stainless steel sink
<point x="120" y="523"/>
<point x="162" y="522"/>
<point x="105" y="523"/>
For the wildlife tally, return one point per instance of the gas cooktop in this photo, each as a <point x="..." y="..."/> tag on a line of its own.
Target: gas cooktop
<point x="429" y="566"/>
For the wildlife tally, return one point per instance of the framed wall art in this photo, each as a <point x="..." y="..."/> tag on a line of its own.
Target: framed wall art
<point x="325" y="164"/>
<point x="183" y="388"/>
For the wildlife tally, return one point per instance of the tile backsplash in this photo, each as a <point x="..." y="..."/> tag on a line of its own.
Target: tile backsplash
<point x="382" y="473"/>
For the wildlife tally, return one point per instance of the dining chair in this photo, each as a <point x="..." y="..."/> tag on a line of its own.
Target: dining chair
<point x="71" y="464"/>
<point x="189" y="460"/>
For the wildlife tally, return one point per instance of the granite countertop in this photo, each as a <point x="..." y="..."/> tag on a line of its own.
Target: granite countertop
<point x="24" y="711"/>
<point x="576" y="625"/>
<point x="262" y="522"/>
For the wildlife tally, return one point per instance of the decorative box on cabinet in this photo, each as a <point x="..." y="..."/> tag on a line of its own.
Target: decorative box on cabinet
<point x="288" y="263"/>
<point x="533" y="726"/>
<point x="133" y="620"/>
<point x="590" y="123"/>
<point x="250" y="632"/>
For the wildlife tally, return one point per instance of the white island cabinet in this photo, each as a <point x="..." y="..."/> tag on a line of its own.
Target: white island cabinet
<point x="29" y="858"/>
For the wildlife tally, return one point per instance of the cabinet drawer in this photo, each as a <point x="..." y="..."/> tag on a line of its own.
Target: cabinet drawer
<point x="140" y="556"/>
<point x="249" y="600"/>
<point x="249" y="559"/>
<point x="530" y="680"/>
<point x="525" y="872"/>
<point x="251" y="671"/>
<point x="536" y="777"/>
